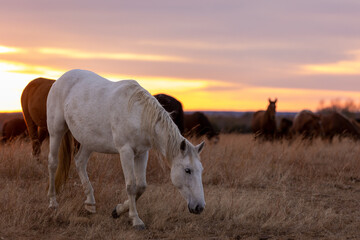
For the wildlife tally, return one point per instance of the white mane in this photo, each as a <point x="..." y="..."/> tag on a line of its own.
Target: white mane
<point x="153" y="114"/>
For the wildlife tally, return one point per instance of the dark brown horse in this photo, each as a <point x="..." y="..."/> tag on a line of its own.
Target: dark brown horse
<point x="263" y="122"/>
<point x="336" y="124"/>
<point x="174" y="107"/>
<point x="33" y="103"/>
<point x="285" y="128"/>
<point x="13" y="128"/>
<point x="197" y="125"/>
<point x="306" y="124"/>
<point x="356" y="124"/>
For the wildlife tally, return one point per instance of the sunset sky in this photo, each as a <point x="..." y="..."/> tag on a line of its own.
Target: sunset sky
<point x="211" y="55"/>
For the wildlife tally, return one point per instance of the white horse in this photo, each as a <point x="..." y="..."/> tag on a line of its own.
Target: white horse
<point x="118" y="117"/>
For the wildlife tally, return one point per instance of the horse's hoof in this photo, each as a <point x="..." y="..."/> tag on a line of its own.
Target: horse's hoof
<point x="140" y="227"/>
<point x="52" y="207"/>
<point x="114" y="214"/>
<point x="53" y="203"/>
<point x="90" y="208"/>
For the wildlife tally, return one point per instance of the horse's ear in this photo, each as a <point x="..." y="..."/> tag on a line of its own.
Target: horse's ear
<point x="275" y="100"/>
<point x="200" y="147"/>
<point x="269" y="100"/>
<point x="183" y="146"/>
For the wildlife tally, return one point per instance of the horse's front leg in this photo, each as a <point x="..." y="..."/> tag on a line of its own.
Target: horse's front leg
<point x="140" y="163"/>
<point x="127" y="163"/>
<point x="140" y="173"/>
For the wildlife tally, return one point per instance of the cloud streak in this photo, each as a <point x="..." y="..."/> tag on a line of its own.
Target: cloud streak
<point x="349" y="67"/>
<point x="7" y="50"/>
<point x="73" y="53"/>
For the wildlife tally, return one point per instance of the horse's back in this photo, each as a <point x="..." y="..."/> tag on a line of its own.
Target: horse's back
<point x="92" y="107"/>
<point x="336" y="123"/>
<point x="302" y="120"/>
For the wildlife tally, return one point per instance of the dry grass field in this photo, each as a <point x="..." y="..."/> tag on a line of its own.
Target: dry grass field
<point x="252" y="190"/>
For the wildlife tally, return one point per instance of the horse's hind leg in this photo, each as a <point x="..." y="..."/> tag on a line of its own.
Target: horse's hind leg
<point x="81" y="160"/>
<point x="42" y="133"/>
<point x="37" y="134"/>
<point x="55" y="140"/>
<point x="31" y="126"/>
<point x="140" y="164"/>
<point x="127" y="163"/>
<point x="33" y="133"/>
<point x="57" y="129"/>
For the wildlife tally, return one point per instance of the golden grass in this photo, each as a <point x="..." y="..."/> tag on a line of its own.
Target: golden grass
<point x="253" y="191"/>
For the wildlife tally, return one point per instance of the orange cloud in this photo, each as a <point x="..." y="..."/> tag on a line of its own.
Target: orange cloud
<point x="72" y="53"/>
<point x="338" y="68"/>
<point x="5" y="49"/>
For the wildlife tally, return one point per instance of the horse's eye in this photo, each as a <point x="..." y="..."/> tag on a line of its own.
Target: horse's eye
<point x="187" y="170"/>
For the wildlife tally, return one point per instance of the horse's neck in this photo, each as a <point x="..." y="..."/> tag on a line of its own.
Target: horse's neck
<point x="161" y="136"/>
<point x="166" y="140"/>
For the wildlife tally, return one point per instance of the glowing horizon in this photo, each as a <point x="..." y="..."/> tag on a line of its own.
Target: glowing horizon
<point x="185" y="90"/>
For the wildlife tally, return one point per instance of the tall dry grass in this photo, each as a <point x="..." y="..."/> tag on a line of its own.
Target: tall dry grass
<point x="253" y="191"/>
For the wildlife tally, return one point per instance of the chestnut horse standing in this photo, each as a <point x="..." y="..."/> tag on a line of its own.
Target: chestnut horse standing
<point x="33" y="103"/>
<point x="263" y="122"/>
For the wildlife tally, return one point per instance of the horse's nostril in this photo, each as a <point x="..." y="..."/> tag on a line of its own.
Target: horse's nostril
<point x="198" y="209"/>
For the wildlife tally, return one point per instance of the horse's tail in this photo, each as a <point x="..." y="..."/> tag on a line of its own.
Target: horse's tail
<point x="30" y="124"/>
<point x="65" y="155"/>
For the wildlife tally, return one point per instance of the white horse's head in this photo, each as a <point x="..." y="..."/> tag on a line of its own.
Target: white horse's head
<point x="186" y="171"/>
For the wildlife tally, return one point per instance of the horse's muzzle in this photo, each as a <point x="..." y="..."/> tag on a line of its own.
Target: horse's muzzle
<point x="197" y="210"/>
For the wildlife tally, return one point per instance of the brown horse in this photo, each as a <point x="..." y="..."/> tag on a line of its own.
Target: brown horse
<point x="336" y="124"/>
<point x="356" y="124"/>
<point x="306" y="124"/>
<point x="197" y="125"/>
<point x="13" y="128"/>
<point x="263" y="122"/>
<point x="33" y="103"/>
<point x="174" y="107"/>
<point x="285" y="128"/>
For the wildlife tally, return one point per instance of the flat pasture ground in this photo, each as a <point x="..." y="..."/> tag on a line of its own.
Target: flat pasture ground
<point x="253" y="190"/>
